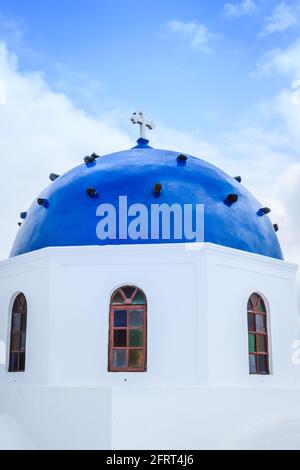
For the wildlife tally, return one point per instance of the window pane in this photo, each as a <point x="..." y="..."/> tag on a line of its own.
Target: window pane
<point x="261" y="341"/>
<point x="139" y="298"/>
<point x="136" y="338"/>
<point x="22" y="361"/>
<point x="260" y="323"/>
<point x="128" y="291"/>
<point x="263" y="366"/>
<point x="23" y="341"/>
<point x="22" y="300"/>
<point x="120" y="318"/>
<point x="254" y="299"/>
<point x="119" y="358"/>
<point x="16" y="322"/>
<point x="135" y="358"/>
<point x="252" y="364"/>
<point x="117" y="299"/>
<point x="136" y="318"/>
<point x="261" y="306"/>
<point x="120" y="338"/>
<point x="251" y="322"/>
<point x="13" y="362"/>
<point x="251" y="343"/>
<point x="15" y="341"/>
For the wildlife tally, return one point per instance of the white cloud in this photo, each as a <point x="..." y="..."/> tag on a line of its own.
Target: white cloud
<point x="235" y="10"/>
<point x="283" y="61"/>
<point x="283" y="17"/>
<point x="197" y="34"/>
<point x="41" y="131"/>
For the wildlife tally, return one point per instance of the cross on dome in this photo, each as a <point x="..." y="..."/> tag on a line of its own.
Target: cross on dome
<point x="139" y="118"/>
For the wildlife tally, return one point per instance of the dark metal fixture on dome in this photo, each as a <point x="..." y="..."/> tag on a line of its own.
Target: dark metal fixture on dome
<point x="157" y="189"/>
<point x="53" y="176"/>
<point x="231" y="199"/>
<point x="42" y="202"/>
<point x="182" y="158"/>
<point x="264" y="211"/>
<point x="91" y="192"/>
<point x="89" y="159"/>
<point x="276" y="227"/>
<point x="23" y="215"/>
<point x="238" y="178"/>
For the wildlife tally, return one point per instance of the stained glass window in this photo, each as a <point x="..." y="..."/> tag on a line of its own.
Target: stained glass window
<point x="258" y="336"/>
<point x="18" y="335"/>
<point x="128" y="335"/>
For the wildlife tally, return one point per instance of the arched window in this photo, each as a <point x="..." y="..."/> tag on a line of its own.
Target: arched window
<point x="18" y="335"/>
<point x="128" y="330"/>
<point x="258" y="336"/>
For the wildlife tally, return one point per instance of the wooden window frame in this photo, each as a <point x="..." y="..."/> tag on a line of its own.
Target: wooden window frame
<point x="128" y="306"/>
<point x="23" y="330"/>
<point x="255" y="312"/>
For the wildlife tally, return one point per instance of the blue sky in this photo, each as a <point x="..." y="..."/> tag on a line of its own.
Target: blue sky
<point x="220" y="78"/>
<point x="125" y="54"/>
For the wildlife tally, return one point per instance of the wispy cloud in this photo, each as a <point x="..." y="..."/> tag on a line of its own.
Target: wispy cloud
<point x="283" y="17"/>
<point x="235" y="10"/>
<point x="197" y="34"/>
<point x="284" y="61"/>
<point x="41" y="131"/>
<point x="11" y="29"/>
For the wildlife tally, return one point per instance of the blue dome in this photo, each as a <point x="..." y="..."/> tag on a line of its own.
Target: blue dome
<point x="66" y="215"/>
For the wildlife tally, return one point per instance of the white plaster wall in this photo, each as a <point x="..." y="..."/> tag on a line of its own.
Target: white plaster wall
<point x="163" y="417"/>
<point x="197" y="392"/>
<point x="29" y="274"/>
<point x="57" y="417"/>
<point x="80" y="324"/>
<point x="197" y="314"/>
<point x="232" y="278"/>
<point x="206" y="418"/>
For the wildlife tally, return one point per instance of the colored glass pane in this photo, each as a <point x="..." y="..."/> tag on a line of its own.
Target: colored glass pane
<point x="260" y="322"/>
<point x="263" y="367"/>
<point x="251" y="322"/>
<point x="15" y="341"/>
<point x="252" y="364"/>
<point x="22" y="361"/>
<point x="135" y="338"/>
<point x="261" y="342"/>
<point x="119" y="358"/>
<point x="120" y="318"/>
<point x="251" y="343"/>
<point x="128" y="291"/>
<point x="23" y="341"/>
<point x="16" y="322"/>
<point x="117" y="299"/>
<point x="254" y="300"/>
<point x="120" y="338"/>
<point x="139" y="298"/>
<point x="135" y="358"/>
<point x="136" y="318"/>
<point x="13" y="361"/>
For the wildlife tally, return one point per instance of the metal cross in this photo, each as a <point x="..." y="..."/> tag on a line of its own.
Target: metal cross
<point x="139" y="118"/>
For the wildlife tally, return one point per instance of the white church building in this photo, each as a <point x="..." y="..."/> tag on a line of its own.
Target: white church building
<point x="146" y="304"/>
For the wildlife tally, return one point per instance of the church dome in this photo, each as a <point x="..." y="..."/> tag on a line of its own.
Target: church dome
<point x="65" y="213"/>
